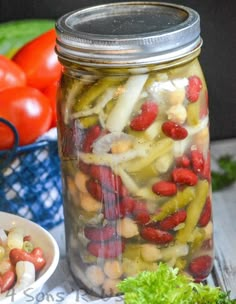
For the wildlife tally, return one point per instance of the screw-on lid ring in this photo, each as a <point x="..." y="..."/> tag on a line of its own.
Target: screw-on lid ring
<point x="128" y="33"/>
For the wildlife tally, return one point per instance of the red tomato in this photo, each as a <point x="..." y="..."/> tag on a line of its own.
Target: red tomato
<point x="39" y="60"/>
<point x="28" y="110"/>
<point x="51" y="93"/>
<point x="11" y="75"/>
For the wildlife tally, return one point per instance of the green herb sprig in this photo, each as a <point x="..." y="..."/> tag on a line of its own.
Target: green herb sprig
<point x="227" y="174"/>
<point x="167" y="286"/>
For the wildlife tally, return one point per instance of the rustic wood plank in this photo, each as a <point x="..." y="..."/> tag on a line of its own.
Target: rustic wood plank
<point x="224" y="215"/>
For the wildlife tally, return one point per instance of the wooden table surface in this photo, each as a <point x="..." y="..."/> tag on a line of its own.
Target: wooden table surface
<point x="224" y="215"/>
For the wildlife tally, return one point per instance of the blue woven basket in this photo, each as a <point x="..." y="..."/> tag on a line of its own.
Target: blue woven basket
<point x="30" y="181"/>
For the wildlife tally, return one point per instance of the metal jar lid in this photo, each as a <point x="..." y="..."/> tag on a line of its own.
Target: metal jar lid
<point x="128" y="33"/>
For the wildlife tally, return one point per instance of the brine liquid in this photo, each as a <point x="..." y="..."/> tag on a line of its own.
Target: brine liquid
<point x="136" y="175"/>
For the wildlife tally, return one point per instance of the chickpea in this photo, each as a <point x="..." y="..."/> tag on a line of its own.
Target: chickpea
<point x="113" y="269"/>
<point x="150" y="253"/>
<point x="88" y="203"/>
<point x="177" y="114"/>
<point x="127" y="228"/>
<point x="80" y="181"/>
<point x="130" y="267"/>
<point x="95" y="275"/>
<point x="121" y="146"/>
<point x="110" y="287"/>
<point x="177" y="96"/>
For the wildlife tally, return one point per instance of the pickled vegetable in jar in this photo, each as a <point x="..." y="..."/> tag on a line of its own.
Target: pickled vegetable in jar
<point x="134" y="143"/>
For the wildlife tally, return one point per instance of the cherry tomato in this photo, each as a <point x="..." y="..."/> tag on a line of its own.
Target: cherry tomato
<point x="28" y="110"/>
<point x="11" y="75"/>
<point x="51" y="93"/>
<point x="39" y="60"/>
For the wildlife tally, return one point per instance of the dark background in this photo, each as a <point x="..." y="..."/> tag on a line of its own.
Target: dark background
<point x="218" y="57"/>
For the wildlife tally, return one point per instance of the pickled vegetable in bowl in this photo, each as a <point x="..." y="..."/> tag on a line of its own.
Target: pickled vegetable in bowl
<point x="29" y="256"/>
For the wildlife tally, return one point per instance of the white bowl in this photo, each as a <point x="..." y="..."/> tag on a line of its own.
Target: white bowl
<point x="40" y="238"/>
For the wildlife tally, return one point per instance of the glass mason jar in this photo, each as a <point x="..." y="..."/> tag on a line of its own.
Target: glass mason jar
<point x="134" y="143"/>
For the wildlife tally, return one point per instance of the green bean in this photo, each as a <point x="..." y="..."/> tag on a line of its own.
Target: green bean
<point x="193" y="110"/>
<point x="68" y="94"/>
<point x="197" y="238"/>
<point x="157" y="149"/>
<point x="179" y="201"/>
<point x="88" y="98"/>
<point x="136" y="134"/>
<point x="89" y="121"/>
<point x="194" y="210"/>
<point x="147" y="173"/>
<point x="151" y="79"/>
<point x="149" y="134"/>
<point x="70" y="167"/>
<point x="181" y="263"/>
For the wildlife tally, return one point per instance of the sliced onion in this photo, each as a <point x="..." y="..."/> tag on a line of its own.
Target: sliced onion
<point x="198" y="127"/>
<point x="104" y="144"/>
<point x="121" y="112"/>
<point x="169" y="85"/>
<point x="111" y="159"/>
<point x="128" y="181"/>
